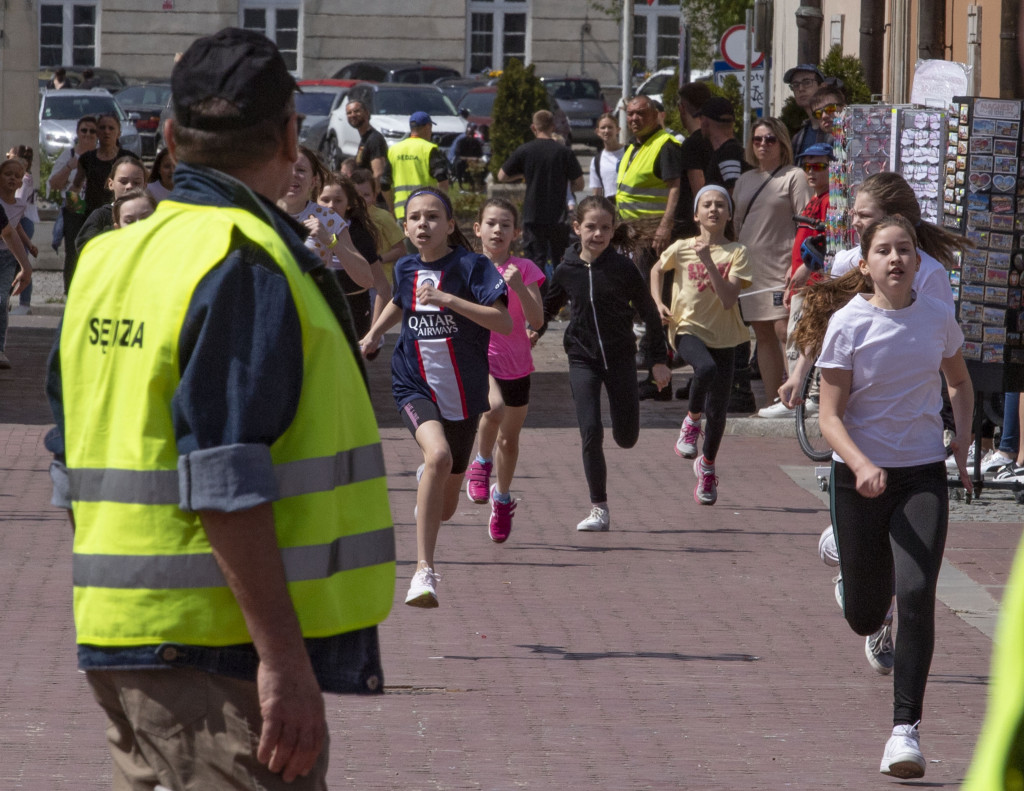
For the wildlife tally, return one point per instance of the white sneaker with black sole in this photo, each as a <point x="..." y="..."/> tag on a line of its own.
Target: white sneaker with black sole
<point x="903" y="757"/>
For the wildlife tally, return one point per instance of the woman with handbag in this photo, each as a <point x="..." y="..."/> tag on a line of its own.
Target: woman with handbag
<point x="766" y="199"/>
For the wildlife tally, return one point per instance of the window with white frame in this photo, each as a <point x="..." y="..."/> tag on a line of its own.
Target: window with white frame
<point x="497" y="32"/>
<point x="278" y="20"/>
<point x="655" y="35"/>
<point x="67" y="34"/>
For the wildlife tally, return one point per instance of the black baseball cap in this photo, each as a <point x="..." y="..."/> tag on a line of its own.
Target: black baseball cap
<point x="240" y="66"/>
<point x="718" y="108"/>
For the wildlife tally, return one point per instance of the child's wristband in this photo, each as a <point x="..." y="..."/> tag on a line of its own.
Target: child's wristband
<point x="334" y="241"/>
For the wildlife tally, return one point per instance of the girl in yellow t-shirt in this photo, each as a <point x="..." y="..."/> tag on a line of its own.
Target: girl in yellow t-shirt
<point x="705" y="326"/>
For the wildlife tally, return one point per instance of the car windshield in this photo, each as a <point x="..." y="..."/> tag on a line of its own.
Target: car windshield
<point x="156" y="95"/>
<point x="656" y="84"/>
<point x="68" y="108"/>
<point x="481" y="103"/>
<point x="573" y="89"/>
<point x="313" y="103"/>
<point x="405" y="102"/>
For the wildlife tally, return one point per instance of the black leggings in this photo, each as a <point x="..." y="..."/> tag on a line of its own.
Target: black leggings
<point x="900" y="534"/>
<point x="710" y="387"/>
<point x="624" y="403"/>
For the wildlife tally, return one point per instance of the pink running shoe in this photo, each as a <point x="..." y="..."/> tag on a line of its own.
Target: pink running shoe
<point x="501" y="518"/>
<point x="706" y="490"/>
<point x="689" y="433"/>
<point x="478" y="481"/>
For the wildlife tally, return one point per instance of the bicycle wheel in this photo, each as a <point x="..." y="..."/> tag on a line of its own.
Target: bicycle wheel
<point x="808" y="433"/>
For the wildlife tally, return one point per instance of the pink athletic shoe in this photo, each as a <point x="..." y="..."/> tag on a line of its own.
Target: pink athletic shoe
<point x="478" y="481"/>
<point x="706" y="490"/>
<point x="501" y="518"/>
<point x="689" y="434"/>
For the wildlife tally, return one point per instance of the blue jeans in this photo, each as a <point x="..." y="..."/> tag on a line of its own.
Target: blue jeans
<point x="1009" y="440"/>
<point x="8" y="270"/>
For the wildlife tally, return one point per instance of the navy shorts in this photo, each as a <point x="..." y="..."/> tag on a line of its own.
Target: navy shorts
<point x="460" y="434"/>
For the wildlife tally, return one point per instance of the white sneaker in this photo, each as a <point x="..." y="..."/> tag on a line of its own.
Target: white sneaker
<point x="994" y="460"/>
<point x="1011" y="472"/>
<point x="777" y="409"/>
<point x="838" y="582"/>
<point x="902" y="757"/>
<point x="827" y="549"/>
<point x="811" y="405"/>
<point x="951" y="461"/>
<point x="598" y="521"/>
<point x="879" y="649"/>
<point x="21" y="310"/>
<point x="423" y="589"/>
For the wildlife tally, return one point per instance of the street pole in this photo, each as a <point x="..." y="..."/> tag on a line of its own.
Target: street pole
<point x="627" y="65"/>
<point x="749" y="19"/>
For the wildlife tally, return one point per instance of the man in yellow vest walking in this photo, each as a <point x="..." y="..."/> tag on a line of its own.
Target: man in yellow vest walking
<point x="416" y="162"/>
<point x="233" y="548"/>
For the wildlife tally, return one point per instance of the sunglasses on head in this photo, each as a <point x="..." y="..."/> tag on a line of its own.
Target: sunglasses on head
<point x="828" y="109"/>
<point x="768" y="140"/>
<point x="814" y="167"/>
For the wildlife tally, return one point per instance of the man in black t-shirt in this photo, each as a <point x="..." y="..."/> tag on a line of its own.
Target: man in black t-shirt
<point x="728" y="160"/>
<point x="549" y="168"/>
<point x="695" y="153"/>
<point x="373" y="148"/>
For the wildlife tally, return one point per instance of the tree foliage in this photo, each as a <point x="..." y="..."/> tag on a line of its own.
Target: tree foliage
<point x="520" y="95"/>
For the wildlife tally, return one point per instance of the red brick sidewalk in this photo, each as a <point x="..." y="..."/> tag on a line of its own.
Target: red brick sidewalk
<point x="690" y="647"/>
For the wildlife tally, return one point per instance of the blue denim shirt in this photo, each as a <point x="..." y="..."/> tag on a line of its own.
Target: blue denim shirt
<point x="241" y="375"/>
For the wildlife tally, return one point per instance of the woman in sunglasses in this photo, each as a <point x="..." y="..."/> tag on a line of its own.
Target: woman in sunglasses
<point x="766" y="199"/>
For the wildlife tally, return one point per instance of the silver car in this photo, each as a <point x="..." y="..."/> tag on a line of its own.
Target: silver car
<point x="59" y="112"/>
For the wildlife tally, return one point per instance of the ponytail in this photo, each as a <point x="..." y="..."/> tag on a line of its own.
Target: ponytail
<point x="821" y="301"/>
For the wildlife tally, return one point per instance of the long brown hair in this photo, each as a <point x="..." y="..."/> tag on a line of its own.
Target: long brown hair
<point x="356" y="211"/>
<point x="894" y="195"/>
<point x="456" y="238"/>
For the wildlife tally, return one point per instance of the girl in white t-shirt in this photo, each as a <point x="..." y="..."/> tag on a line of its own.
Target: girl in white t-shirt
<point x="15" y="270"/>
<point x="510" y="363"/>
<point x="880" y="401"/>
<point x="705" y="326"/>
<point x="604" y="167"/>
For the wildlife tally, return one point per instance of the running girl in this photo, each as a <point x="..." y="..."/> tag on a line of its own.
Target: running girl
<point x="604" y="289"/>
<point x="880" y="404"/>
<point x="510" y="362"/>
<point x="705" y="326"/>
<point x="15" y="269"/>
<point x="449" y="301"/>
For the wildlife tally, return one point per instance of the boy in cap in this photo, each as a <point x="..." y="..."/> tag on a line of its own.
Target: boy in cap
<point x="804" y="80"/>
<point x="225" y="572"/>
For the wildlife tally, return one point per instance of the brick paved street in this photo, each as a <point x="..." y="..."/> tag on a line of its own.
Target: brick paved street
<point x="689" y="647"/>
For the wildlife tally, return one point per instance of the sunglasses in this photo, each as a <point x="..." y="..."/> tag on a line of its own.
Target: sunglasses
<point x="86" y="131"/>
<point x="828" y="109"/>
<point x="814" y="167"/>
<point x="768" y="140"/>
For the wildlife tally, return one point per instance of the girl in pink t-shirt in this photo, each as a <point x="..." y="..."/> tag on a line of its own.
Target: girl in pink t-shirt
<point x="511" y="362"/>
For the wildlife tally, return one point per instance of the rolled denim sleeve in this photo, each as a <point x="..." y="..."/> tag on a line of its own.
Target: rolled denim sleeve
<point x="241" y="377"/>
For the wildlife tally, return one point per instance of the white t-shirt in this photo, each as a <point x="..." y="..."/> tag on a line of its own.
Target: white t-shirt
<point x="27" y="194"/>
<point x="608" y="176"/>
<point x="931" y="279"/>
<point x="892" y="413"/>
<point x="14" y="211"/>
<point x="157" y="190"/>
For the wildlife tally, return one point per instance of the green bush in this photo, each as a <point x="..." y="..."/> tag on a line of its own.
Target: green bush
<point x="520" y="95"/>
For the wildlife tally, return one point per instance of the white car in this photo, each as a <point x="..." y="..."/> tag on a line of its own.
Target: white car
<point x="59" y="112"/>
<point x="390" y="105"/>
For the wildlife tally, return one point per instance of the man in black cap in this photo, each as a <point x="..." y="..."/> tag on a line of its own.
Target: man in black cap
<point x="727" y="161"/>
<point x="804" y="81"/>
<point x="233" y="546"/>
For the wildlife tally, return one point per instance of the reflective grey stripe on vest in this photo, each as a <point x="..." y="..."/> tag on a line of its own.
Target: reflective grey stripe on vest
<point x="160" y="487"/>
<point x="642" y="191"/>
<point x="170" y="572"/>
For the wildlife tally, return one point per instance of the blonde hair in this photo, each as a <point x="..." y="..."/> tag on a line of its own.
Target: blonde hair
<point x="777" y="128"/>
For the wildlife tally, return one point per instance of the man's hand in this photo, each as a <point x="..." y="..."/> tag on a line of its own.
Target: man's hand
<point x="662" y="237"/>
<point x="294" y="723"/>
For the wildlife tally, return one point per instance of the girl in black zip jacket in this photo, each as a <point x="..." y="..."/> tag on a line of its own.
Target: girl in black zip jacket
<point x="604" y="289"/>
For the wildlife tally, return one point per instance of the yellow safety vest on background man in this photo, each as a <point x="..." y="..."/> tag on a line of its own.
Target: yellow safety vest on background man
<point x="410" y="169"/>
<point x="640" y="193"/>
<point x="143" y="571"/>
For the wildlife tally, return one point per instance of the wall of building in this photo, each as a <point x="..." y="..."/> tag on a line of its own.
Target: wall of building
<point x="19" y="77"/>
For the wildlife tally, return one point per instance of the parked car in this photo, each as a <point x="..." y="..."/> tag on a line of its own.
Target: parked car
<point x="477" y="106"/>
<point x="457" y="87"/>
<point x="108" y="79"/>
<point x="581" y="100"/>
<point x="319" y="98"/>
<point x="654" y="86"/>
<point x="407" y="71"/>
<point x="144" y="103"/>
<point x="59" y="112"/>
<point x="390" y="106"/>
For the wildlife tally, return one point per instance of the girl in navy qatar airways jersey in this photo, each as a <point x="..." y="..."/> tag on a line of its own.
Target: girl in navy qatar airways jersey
<point x="449" y="300"/>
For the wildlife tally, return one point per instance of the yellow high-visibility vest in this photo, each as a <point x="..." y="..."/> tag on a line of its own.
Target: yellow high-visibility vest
<point x="143" y="570"/>
<point x="640" y="193"/>
<point x="410" y="170"/>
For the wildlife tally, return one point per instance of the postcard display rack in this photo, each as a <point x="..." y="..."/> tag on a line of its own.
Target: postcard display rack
<point x="983" y="199"/>
<point x="871" y="138"/>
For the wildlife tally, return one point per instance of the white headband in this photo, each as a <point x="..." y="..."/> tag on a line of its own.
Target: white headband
<point x="716" y="188"/>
